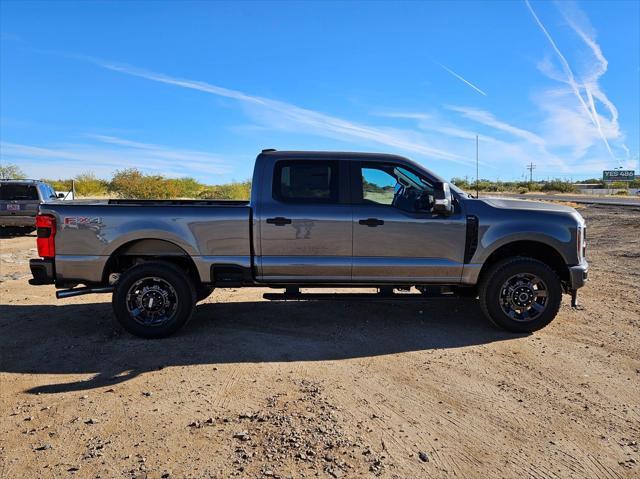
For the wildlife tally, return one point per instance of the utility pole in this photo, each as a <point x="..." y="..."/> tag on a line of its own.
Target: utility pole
<point x="477" y="171"/>
<point x="531" y="167"/>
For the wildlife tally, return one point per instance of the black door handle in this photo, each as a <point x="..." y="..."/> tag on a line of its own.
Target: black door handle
<point x="371" y="222"/>
<point x="279" y="221"/>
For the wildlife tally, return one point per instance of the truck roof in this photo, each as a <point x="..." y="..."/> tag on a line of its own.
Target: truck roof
<point x="334" y="155"/>
<point x="19" y="180"/>
<point x="344" y="155"/>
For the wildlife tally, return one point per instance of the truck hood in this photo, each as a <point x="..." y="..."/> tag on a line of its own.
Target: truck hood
<point x="514" y="204"/>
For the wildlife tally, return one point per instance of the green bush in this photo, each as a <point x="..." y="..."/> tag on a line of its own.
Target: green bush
<point x="559" y="186"/>
<point x="229" y="191"/>
<point x="88" y="185"/>
<point x="463" y="183"/>
<point x="186" y="187"/>
<point x="59" y="185"/>
<point x="132" y="183"/>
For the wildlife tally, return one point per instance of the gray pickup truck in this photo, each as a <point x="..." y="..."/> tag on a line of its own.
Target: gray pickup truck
<point x="317" y="219"/>
<point x="19" y="201"/>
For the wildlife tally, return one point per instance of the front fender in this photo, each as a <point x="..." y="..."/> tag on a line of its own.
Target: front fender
<point x="557" y="236"/>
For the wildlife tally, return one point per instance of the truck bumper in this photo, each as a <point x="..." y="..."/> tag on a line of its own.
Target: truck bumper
<point x="42" y="271"/>
<point x="14" y="221"/>
<point x="578" y="275"/>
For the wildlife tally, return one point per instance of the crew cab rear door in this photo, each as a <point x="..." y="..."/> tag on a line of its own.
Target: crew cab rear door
<point x="394" y="239"/>
<point x="305" y="222"/>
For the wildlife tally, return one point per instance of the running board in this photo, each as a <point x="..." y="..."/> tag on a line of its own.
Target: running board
<point x="354" y="296"/>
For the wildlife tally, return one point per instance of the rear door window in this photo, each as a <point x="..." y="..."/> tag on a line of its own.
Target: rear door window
<point x="310" y="181"/>
<point x="11" y="191"/>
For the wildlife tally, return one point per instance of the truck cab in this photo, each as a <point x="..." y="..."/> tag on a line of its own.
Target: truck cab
<point x="359" y="219"/>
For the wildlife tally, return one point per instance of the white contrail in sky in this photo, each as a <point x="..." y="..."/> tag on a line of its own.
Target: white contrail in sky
<point x="462" y="79"/>
<point x="287" y="114"/>
<point x="571" y="80"/>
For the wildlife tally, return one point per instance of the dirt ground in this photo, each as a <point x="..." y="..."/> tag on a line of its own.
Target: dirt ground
<point x="253" y="388"/>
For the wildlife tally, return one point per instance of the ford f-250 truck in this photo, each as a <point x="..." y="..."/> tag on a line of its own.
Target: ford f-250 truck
<point x="317" y="219"/>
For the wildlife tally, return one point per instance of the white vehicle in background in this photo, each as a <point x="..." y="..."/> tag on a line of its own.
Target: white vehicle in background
<point x="65" y="195"/>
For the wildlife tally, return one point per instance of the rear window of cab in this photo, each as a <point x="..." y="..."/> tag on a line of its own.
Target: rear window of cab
<point x="17" y="191"/>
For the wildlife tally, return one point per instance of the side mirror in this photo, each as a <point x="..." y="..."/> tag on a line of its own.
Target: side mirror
<point x="61" y="196"/>
<point x="443" y="204"/>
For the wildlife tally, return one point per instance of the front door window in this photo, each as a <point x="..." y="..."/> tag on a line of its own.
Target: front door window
<point x="396" y="186"/>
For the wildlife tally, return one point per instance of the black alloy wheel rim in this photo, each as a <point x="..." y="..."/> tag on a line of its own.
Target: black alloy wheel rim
<point x="152" y="301"/>
<point x="524" y="297"/>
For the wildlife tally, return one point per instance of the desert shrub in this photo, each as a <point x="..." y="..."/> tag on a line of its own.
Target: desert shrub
<point x="482" y="185"/>
<point x="186" y="187"/>
<point x="58" y="185"/>
<point x="462" y="183"/>
<point x="560" y="186"/>
<point x="229" y="191"/>
<point x="88" y="185"/>
<point x="132" y="183"/>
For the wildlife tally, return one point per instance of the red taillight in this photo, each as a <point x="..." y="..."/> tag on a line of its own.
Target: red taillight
<point x="46" y="225"/>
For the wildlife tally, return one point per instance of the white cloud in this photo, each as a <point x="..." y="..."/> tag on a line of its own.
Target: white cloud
<point x="510" y="154"/>
<point x="106" y="154"/>
<point x="286" y="116"/>
<point x="488" y="119"/>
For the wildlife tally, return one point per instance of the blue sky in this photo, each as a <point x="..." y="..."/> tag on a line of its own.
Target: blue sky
<point x="199" y="88"/>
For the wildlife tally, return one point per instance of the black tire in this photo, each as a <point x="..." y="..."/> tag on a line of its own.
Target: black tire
<point x="510" y="288"/>
<point x="138" y="288"/>
<point x="203" y="291"/>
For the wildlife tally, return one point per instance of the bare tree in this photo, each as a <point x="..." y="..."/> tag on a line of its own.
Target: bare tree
<point x="11" y="172"/>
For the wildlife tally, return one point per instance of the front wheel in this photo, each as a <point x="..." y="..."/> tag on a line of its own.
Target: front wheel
<point x="154" y="299"/>
<point x="520" y="294"/>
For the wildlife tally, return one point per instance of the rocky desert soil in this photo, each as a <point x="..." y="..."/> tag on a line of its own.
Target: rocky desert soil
<point x="259" y="389"/>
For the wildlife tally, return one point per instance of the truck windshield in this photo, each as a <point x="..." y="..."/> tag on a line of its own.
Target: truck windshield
<point x="10" y="191"/>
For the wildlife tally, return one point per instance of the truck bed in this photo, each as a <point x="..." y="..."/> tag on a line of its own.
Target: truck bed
<point x="209" y="231"/>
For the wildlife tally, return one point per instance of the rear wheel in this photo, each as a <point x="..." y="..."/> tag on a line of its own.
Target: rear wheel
<point x="520" y="294"/>
<point x="154" y="299"/>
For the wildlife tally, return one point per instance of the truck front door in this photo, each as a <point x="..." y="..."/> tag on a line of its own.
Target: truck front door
<point x="396" y="238"/>
<point x="305" y="223"/>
